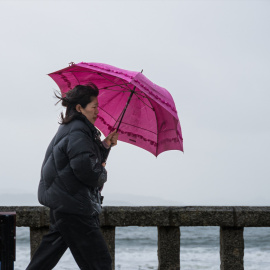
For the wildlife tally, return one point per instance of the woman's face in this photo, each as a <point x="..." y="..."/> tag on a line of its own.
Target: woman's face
<point x="91" y="110"/>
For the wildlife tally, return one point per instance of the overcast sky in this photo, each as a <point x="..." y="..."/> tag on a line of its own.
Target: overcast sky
<point x="212" y="56"/>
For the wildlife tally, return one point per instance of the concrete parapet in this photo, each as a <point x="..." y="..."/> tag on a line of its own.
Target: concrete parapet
<point x="29" y="216"/>
<point x="231" y="219"/>
<point x="187" y="216"/>
<point x="251" y="216"/>
<point x="118" y="216"/>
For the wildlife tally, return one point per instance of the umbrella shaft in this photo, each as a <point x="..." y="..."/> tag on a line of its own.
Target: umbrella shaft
<point x="123" y="113"/>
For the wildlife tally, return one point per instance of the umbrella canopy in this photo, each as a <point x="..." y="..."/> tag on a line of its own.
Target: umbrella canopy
<point x="150" y="120"/>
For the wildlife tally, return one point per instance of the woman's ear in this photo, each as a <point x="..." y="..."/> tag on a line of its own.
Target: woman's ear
<point x="79" y="108"/>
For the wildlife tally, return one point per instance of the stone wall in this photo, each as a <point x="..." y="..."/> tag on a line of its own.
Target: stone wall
<point x="169" y="220"/>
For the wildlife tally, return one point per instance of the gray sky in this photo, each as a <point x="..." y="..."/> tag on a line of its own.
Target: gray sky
<point x="213" y="57"/>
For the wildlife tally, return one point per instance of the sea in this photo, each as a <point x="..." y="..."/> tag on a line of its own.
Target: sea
<point x="136" y="249"/>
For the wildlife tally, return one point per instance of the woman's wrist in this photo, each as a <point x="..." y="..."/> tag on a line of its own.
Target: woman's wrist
<point x="105" y="144"/>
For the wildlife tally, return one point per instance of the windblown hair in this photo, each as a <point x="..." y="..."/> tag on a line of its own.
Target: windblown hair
<point x="80" y="94"/>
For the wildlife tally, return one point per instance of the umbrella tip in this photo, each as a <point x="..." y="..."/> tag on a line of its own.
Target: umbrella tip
<point x="142" y="71"/>
<point x="71" y="63"/>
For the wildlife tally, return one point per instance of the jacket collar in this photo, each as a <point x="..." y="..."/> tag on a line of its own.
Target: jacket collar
<point x="96" y="133"/>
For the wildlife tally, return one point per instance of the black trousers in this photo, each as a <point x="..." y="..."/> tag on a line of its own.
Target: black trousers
<point x="81" y="234"/>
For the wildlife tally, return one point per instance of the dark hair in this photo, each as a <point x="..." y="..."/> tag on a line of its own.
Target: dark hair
<point x="80" y="94"/>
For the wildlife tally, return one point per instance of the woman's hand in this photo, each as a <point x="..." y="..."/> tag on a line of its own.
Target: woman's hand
<point x="111" y="139"/>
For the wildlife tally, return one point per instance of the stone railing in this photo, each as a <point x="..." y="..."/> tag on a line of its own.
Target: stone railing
<point x="168" y="220"/>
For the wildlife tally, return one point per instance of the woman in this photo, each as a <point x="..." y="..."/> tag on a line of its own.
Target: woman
<point x="72" y="176"/>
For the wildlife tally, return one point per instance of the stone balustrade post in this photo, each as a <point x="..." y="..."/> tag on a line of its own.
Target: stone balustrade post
<point x="231" y="248"/>
<point x="36" y="235"/>
<point x="168" y="248"/>
<point x="109" y="236"/>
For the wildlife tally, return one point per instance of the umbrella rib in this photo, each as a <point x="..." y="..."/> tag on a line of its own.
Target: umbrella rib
<point x="98" y="73"/>
<point x="156" y="123"/>
<point x="115" y="90"/>
<point x="167" y="130"/>
<point x="125" y="122"/>
<point x="113" y="117"/>
<point x="76" y="77"/>
<point x="144" y="102"/>
<point x="109" y="114"/>
<point x="114" y="83"/>
<point x="106" y="88"/>
<point x="155" y="116"/>
<point x="141" y="95"/>
<point x="139" y="127"/>
<point x="126" y="83"/>
<point x="81" y="71"/>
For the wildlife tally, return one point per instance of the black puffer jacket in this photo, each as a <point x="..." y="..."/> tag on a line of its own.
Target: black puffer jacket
<point x="72" y="171"/>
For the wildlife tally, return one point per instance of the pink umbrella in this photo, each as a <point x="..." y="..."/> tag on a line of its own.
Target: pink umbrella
<point x="145" y="110"/>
